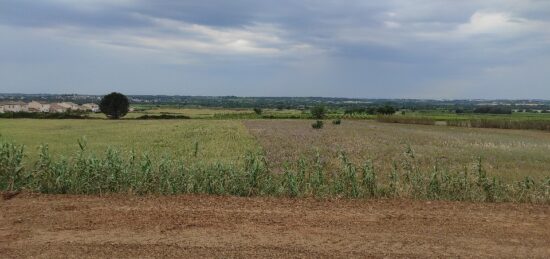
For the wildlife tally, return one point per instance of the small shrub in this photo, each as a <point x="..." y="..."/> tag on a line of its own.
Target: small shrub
<point x="317" y="125"/>
<point x="258" y="111"/>
<point x="336" y="122"/>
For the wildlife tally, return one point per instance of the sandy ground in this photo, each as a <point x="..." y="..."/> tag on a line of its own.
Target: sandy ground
<point x="208" y="226"/>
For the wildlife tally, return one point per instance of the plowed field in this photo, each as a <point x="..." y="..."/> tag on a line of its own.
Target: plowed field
<point x="209" y="226"/>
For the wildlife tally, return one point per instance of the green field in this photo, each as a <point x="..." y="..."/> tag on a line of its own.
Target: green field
<point x="276" y="157"/>
<point x="208" y="113"/>
<point x="218" y="141"/>
<point x="511" y="154"/>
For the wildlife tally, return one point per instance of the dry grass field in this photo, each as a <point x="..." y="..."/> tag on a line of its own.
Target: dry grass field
<point x="511" y="154"/>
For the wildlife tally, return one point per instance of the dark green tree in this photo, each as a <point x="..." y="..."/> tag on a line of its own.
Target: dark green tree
<point x="386" y="110"/>
<point x="318" y="112"/>
<point x="258" y="111"/>
<point x="114" y="105"/>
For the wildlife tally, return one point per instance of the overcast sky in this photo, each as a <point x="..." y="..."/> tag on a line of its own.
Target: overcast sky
<point x="374" y="49"/>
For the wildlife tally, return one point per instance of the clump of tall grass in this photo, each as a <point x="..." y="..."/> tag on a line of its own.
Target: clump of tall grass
<point x="129" y="172"/>
<point x="317" y="125"/>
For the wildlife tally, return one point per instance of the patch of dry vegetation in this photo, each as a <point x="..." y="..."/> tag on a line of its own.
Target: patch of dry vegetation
<point x="510" y="154"/>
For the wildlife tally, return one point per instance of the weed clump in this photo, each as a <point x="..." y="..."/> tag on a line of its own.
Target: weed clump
<point x="317" y="125"/>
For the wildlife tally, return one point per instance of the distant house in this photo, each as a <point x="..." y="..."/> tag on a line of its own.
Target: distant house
<point x="54" y="107"/>
<point x="1" y="108"/>
<point x="14" y="107"/>
<point x="70" y="106"/>
<point x="90" y="107"/>
<point x="45" y="107"/>
<point x="35" y="106"/>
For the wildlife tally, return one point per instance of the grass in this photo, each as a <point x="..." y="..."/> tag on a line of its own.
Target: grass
<point x="354" y="159"/>
<point x="220" y="140"/>
<point x="113" y="172"/>
<point x="508" y="154"/>
<point x="499" y="121"/>
<point x="211" y="113"/>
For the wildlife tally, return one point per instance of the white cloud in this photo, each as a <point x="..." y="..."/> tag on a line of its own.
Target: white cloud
<point x="392" y="25"/>
<point x="493" y="23"/>
<point x="177" y="38"/>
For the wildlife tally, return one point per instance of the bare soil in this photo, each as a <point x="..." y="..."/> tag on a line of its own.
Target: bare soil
<point x="209" y="226"/>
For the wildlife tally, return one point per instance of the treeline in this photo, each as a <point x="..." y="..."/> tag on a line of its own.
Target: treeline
<point x="386" y="109"/>
<point x="493" y="110"/>
<point x="44" y="115"/>
<point x="162" y="117"/>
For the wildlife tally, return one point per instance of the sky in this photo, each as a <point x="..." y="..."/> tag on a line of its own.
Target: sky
<point x="433" y="49"/>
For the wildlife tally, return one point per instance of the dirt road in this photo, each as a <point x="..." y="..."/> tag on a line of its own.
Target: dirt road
<point x="208" y="226"/>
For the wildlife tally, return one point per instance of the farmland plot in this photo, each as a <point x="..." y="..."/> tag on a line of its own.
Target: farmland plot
<point x="510" y="154"/>
<point x="213" y="141"/>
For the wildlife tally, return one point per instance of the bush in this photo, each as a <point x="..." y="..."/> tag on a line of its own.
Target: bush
<point x="318" y="112"/>
<point x="258" y="111"/>
<point x="336" y="122"/>
<point x="317" y="125"/>
<point x="114" y="105"/>
<point x="386" y="110"/>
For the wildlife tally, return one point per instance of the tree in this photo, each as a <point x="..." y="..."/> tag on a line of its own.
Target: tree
<point x="258" y="111"/>
<point x="318" y="112"/>
<point x="386" y="110"/>
<point x="114" y="105"/>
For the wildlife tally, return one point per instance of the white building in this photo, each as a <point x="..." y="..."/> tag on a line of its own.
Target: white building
<point x="14" y="107"/>
<point x="45" y="107"/>
<point x="35" y="106"/>
<point x="91" y="107"/>
<point x="54" y="107"/>
<point x="70" y="106"/>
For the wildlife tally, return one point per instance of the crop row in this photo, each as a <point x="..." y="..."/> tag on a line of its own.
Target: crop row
<point x="117" y="172"/>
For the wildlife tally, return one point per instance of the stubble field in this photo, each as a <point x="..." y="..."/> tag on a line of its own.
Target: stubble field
<point x="510" y="154"/>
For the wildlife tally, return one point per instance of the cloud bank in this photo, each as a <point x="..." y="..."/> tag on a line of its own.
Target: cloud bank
<point x="391" y="48"/>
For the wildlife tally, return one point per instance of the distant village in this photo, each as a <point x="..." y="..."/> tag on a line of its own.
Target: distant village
<point x="34" y="106"/>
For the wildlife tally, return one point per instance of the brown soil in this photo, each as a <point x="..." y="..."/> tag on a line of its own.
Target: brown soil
<point x="209" y="226"/>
